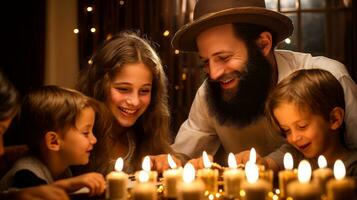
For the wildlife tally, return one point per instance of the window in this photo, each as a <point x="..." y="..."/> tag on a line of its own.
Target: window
<point x="319" y="25"/>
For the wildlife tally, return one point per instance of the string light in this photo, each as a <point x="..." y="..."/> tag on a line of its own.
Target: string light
<point x="89" y="8"/>
<point x="177" y="51"/>
<point x="92" y="30"/>
<point x="287" y="41"/>
<point x="166" y="33"/>
<point x="121" y="2"/>
<point x="76" y="31"/>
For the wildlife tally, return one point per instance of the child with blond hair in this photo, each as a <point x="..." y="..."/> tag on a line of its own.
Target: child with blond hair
<point x="309" y="107"/>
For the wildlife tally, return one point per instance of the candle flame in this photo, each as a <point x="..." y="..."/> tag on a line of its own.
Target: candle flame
<point x="171" y="162"/>
<point x="232" y="163"/>
<point x="143" y="176"/>
<point x="146" y="164"/>
<point x="119" y="164"/>
<point x="206" y="162"/>
<point x="339" y="170"/>
<point x="253" y="155"/>
<point x="251" y="172"/>
<point x="188" y="173"/>
<point x="288" y="161"/>
<point x="304" y="171"/>
<point x="322" y="162"/>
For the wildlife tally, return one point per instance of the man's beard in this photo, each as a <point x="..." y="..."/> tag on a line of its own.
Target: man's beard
<point x="244" y="104"/>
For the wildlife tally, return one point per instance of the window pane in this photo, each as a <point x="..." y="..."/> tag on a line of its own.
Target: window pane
<point x="313" y="33"/>
<point x="312" y="4"/>
<point x="291" y="43"/>
<point x="288" y="5"/>
<point x="271" y="4"/>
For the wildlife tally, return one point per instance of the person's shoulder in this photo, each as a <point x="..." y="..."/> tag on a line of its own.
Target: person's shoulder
<point x="351" y="164"/>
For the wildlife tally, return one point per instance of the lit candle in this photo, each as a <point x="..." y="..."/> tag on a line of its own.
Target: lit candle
<point x="189" y="188"/>
<point x="303" y="189"/>
<point x="288" y="175"/>
<point x="232" y="178"/>
<point x="341" y="187"/>
<point x="117" y="182"/>
<point x="253" y="188"/>
<point x="143" y="189"/>
<point x="207" y="175"/>
<point x="171" y="178"/>
<point x="322" y="174"/>
<point x="266" y="174"/>
<point x="146" y="165"/>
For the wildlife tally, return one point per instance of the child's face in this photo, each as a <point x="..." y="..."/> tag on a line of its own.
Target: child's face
<point x="130" y="93"/>
<point x="78" y="141"/>
<point x="309" y="133"/>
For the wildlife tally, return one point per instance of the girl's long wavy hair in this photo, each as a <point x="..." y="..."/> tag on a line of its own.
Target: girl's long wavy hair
<point x="151" y="129"/>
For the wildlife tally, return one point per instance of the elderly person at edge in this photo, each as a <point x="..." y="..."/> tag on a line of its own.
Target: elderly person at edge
<point x="235" y="40"/>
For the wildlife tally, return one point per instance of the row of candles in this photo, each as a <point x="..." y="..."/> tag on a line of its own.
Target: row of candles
<point x="252" y="183"/>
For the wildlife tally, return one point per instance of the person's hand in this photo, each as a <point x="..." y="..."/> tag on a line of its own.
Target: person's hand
<point x="45" y="192"/>
<point x="160" y="162"/>
<point x="198" y="162"/>
<point x="93" y="181"/>
<point x="243" y="158"/>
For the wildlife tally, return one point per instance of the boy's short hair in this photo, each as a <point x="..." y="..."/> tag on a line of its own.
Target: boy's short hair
<point x="314" y="90"/>
<point x="50" y="108"/>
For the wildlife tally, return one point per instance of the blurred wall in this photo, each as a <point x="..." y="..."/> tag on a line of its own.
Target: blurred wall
<point x="61" y="50"/>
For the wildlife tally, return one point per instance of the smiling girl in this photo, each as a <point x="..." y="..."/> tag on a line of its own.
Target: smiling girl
<point x="126" y="74"/>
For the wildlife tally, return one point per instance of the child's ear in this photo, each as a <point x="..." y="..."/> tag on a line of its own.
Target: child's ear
<point x="265" y="42"/>
<point x="52" y="141"/>
<point x="336" y="118"/>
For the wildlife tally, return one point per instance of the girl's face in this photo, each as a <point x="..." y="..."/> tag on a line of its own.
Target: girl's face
<point x="307" y="132"/>
<point x="130" y="93"/>
<point x="78" y="141"/>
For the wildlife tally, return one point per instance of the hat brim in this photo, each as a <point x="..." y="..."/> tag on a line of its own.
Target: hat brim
<point x="185" y="37"/>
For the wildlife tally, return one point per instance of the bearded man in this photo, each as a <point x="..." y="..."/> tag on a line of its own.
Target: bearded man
<point x="235" y="40"/>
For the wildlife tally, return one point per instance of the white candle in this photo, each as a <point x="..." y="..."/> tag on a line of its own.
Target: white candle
<point x="266" y="174"/>
<point x="254" y="188"/>
<point x="303" y="189"/>
<point x="117" y="182"/>
<point x="143" y="189"/>
<point x="323" y="174"/>
<point x="340" y="188"/>
<point x="146" y="165"/>
<point x="189" y="188"/>
<point x="171" y="178"/>
<point x="232" y="178"/>
<point x="207" y="175"/>
<point x="288" y="175"/>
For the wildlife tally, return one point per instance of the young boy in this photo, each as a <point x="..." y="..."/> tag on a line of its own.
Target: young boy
<point x="9" y="104"/>
<point x="58" y="125"/>
<point x="308" y="108"/>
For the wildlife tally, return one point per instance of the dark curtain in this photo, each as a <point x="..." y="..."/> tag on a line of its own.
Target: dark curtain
<point x="22" y="49"/>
